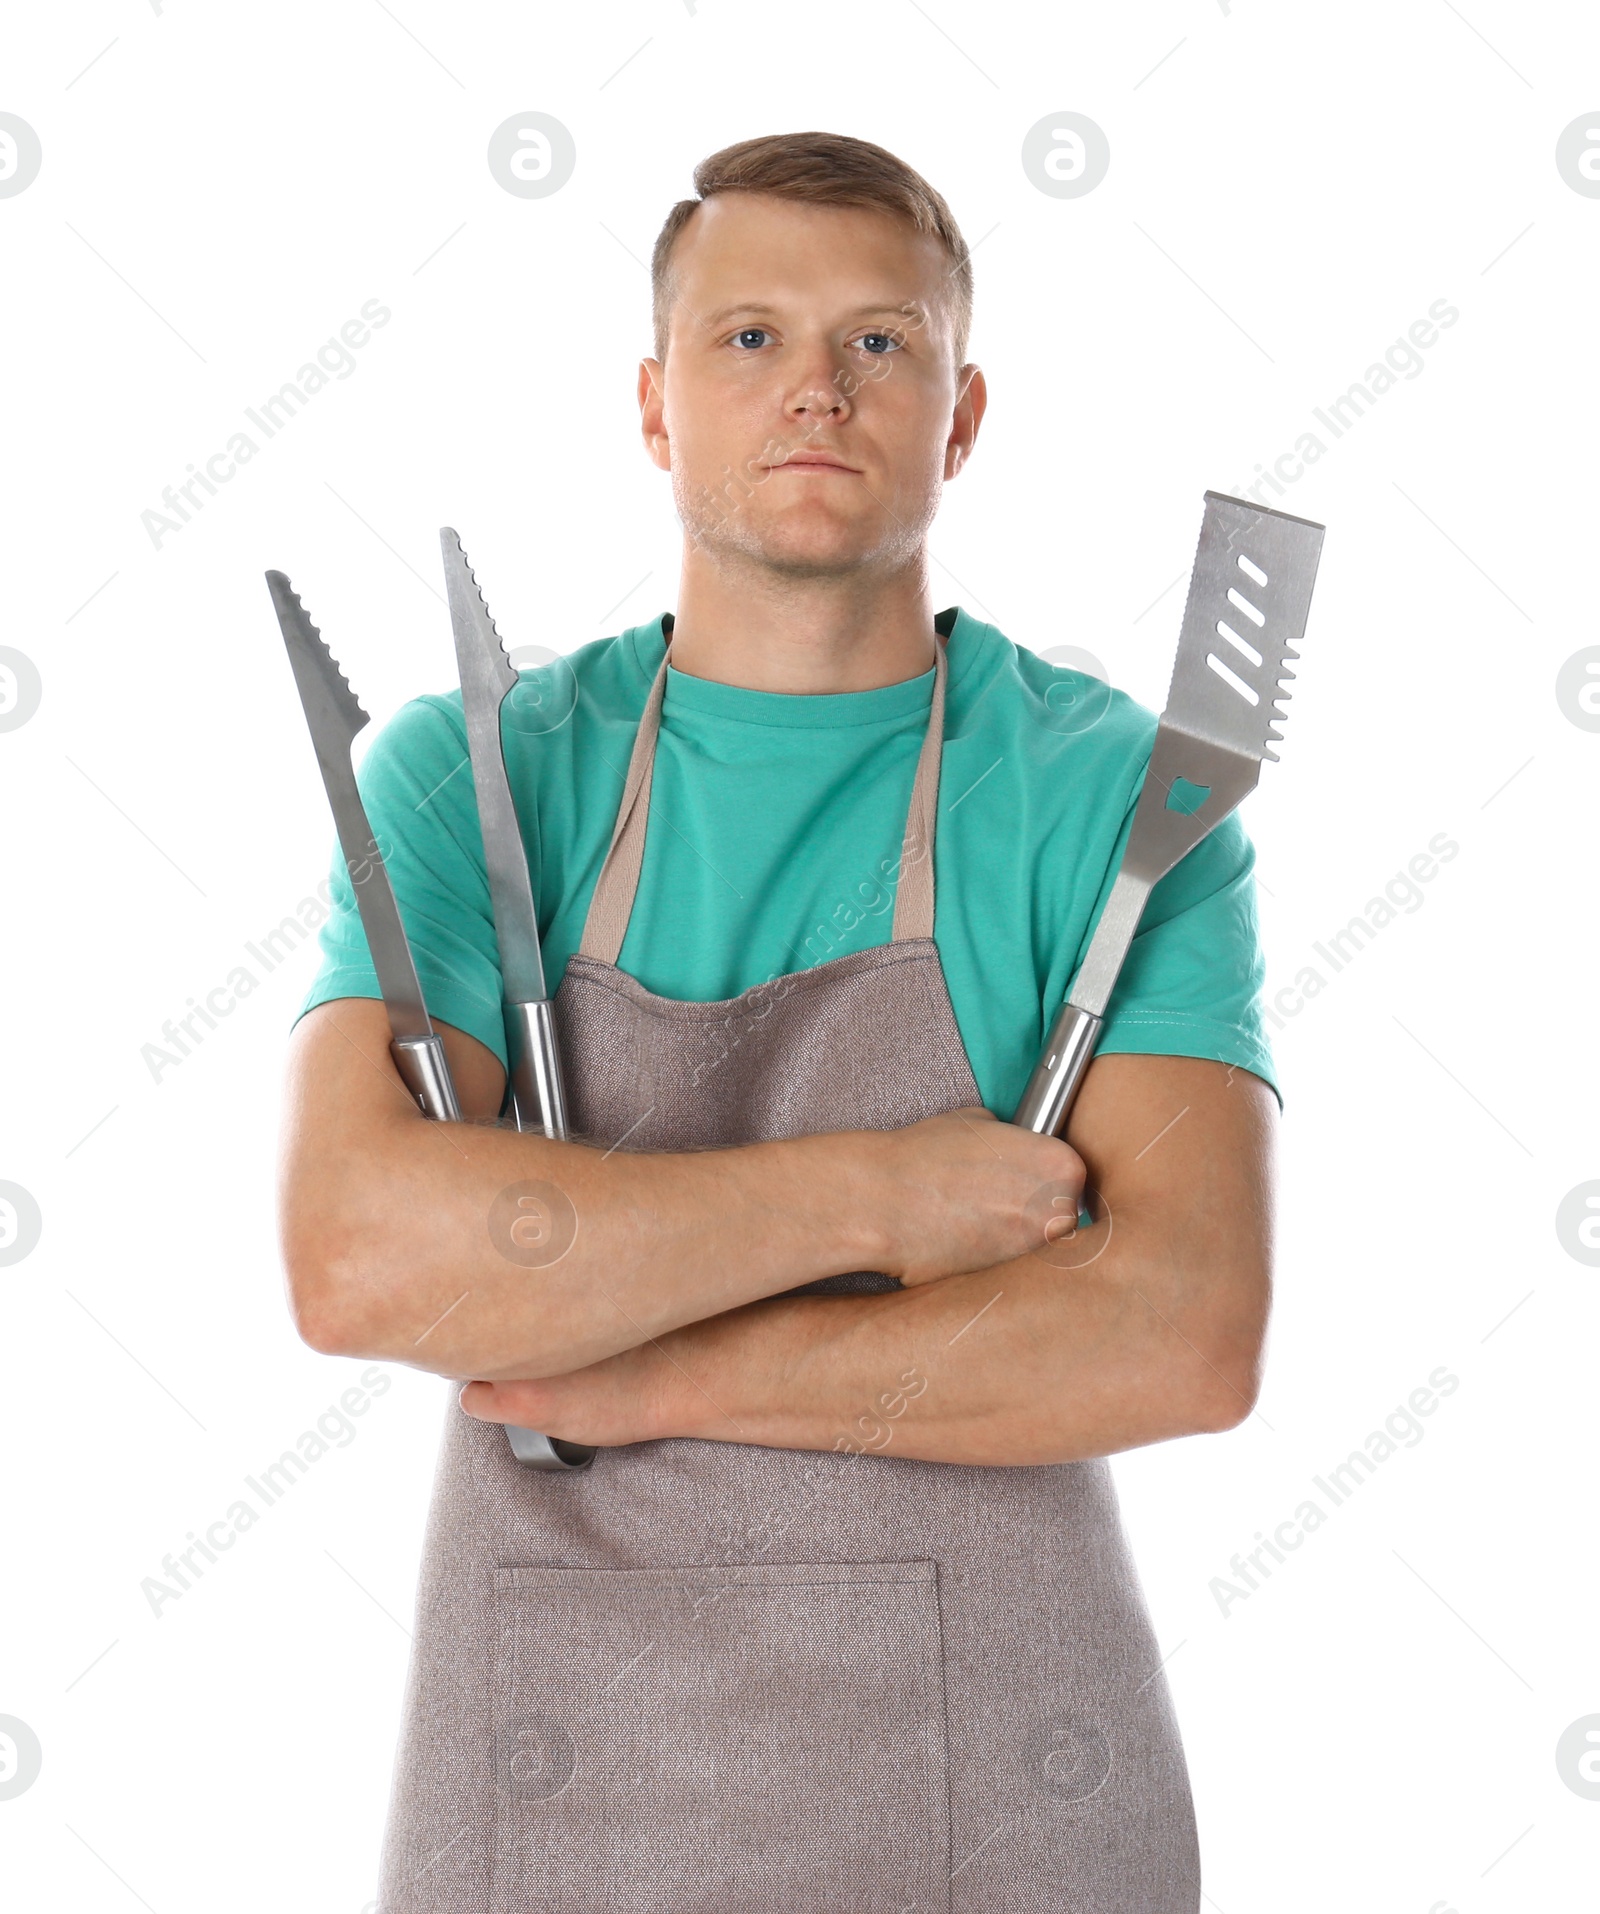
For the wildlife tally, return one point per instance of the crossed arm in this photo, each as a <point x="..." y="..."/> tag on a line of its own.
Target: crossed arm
<point x="1149" y="1324"/>
<point x="1144" y="1325"/>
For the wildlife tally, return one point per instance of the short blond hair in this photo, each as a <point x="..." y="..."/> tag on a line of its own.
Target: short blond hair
<point x="824" y="169"/>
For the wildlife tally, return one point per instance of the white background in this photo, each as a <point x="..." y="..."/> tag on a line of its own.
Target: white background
<point x="1289" y="190"/>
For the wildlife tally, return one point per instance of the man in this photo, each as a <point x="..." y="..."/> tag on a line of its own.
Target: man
<point x="841" y="1617"/>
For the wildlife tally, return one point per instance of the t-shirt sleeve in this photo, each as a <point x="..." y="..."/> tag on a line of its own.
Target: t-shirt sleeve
<point x="1191" y="983"/>
<point x="416" y="783"/>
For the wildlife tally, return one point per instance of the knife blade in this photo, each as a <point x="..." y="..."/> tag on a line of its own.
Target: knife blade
<point x="488" y="677"/>
<point x="1249" y="598"/>
<point x="334" y="715"/>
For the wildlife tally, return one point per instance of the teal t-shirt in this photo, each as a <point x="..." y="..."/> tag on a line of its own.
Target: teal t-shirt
<point x="774" y="818"/>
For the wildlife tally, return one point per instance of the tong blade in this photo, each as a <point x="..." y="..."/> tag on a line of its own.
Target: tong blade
<point x="334" y="715"/>
<point x="487" y="676"/>
<point x="332" y="708"/>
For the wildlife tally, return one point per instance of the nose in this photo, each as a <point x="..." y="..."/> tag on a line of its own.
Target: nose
<point x="820" y="394"/>
<point x="817" y="403"/>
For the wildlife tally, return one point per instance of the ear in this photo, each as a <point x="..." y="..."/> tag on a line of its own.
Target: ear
<point x="652" y="412"/>
<point x="972" y="398"/>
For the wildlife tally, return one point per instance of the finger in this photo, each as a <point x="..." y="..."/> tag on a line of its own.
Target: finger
<point x="523" y="1403"/>
<point x="478" y="1399"/>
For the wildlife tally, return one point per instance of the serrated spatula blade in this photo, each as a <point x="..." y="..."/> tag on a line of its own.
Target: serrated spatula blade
<point x="1249" y="596"/>
<point x="334" y="715"/>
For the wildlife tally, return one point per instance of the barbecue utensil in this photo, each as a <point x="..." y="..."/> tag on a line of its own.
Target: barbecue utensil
<point x="487" y="677"/>
<point x="334" y="715"/>
<point x="538" y="1097"/>
<point x="1249" y="594"/>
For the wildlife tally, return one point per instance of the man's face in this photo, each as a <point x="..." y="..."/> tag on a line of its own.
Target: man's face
<point x="807" y="333"/>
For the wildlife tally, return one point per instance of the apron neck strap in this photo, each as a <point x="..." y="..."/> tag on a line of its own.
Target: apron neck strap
<point x="611" y="906"/>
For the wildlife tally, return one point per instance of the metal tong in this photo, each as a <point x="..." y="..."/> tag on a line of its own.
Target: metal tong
<point x="536" y="1093"/>
<point x="334" y="716"/>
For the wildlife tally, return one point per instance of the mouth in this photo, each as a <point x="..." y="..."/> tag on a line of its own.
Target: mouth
<point x="810" y="462"/>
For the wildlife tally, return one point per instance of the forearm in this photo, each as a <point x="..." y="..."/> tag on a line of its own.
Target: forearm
<point x="1033" y="1361"/>
<point x="1145" y="1325"/>
<point x="471" y="1249"/>
<point x="474" y="1250"/>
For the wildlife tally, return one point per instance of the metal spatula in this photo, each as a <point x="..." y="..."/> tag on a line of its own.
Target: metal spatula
<point x="1249" y="594"/>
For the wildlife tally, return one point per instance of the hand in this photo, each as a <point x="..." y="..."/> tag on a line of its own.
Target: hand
<point x="609" y="1404"/>
<point x="964" y="1191"/>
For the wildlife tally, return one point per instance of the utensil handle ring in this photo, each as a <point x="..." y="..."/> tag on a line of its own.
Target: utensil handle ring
<point x="1052" y="1089"/>
<point x="538" y="1095"/>
<point x="426" y="1074"/>
<point x="535" y="1451"/>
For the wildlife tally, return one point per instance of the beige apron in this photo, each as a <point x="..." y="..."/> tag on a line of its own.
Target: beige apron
<point x="715" y="1678"/>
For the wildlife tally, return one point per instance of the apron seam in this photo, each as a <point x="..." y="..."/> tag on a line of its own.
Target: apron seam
<point x="899" y="950"/>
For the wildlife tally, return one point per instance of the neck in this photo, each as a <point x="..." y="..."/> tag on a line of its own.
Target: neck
<point x="769" y="631"/>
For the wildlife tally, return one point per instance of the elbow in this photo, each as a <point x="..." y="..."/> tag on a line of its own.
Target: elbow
<point x="323" y="1325"/>
<point x="324" y="1320"/>
<point x="1227" y="1393"/>
<point x="1224" y="1409"/>
<point x="330" y="1301"/>
<point x="1226" y="1363"/>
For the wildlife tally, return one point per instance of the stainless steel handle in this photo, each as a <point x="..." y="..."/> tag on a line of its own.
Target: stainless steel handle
<point x="535" y="1451"/>
<point x="422" y="1066"/>
<point x="539" y="1098"/>
<point x="426" y="1074"/>
<point x="1047" y="1102"/>
<point x="539" y="1103"/>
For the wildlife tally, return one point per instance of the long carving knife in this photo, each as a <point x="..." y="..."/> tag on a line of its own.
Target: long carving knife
<point x="538" y="1098"/>
<point x="1249" y="596"/>
<point x="334" y="715"/>
<point x="487" y="677"/>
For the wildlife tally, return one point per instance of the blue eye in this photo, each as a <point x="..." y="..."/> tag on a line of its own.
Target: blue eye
<point x="877" y="344"/>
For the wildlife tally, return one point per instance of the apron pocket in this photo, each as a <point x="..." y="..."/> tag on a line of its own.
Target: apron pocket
<point x="720" y="1740"/>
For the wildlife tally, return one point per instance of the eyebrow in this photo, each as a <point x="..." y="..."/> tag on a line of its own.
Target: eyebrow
<point x="724" y="313"/>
